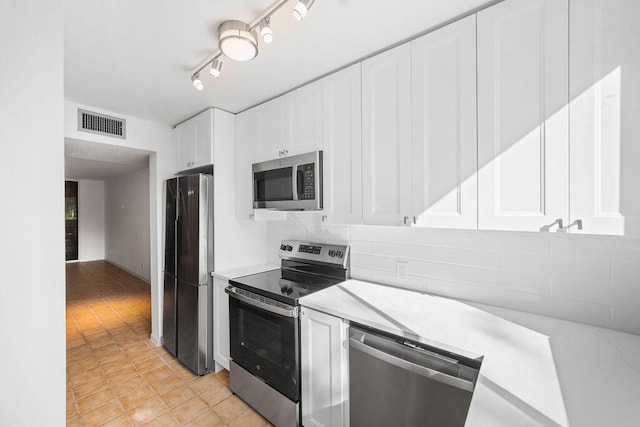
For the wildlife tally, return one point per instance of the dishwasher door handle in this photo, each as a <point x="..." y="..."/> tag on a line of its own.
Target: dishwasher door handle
<point x="412" y="367"/>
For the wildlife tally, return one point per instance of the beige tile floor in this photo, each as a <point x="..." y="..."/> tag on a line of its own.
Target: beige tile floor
<point x="117" y="377"/>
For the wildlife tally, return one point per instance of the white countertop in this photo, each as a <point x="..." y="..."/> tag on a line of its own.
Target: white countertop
<point x="536" y="371"/>
<point x="244" y="271"/>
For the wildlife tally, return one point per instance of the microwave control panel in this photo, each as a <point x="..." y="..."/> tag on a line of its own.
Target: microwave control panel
<point x="307" y="190"/>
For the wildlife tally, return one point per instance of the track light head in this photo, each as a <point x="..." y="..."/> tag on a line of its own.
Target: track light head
<point x="301" y="8"/>
<point x="197" y="83"/>
<point x="265" y="30"/>
<point x="216" y="67"/>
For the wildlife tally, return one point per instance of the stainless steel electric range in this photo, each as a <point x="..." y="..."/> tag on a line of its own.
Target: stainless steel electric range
<point x="264" y="326"/>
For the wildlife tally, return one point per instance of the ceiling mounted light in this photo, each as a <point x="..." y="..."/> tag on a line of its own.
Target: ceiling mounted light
<point x="195" y="79"/>
<point x="265" y="30"/>
<point x="237" y="40"/>
<point x="301" y="8"/>
<point x="216" y="67"/>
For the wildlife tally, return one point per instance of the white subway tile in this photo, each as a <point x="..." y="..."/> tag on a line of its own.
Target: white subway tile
<point x="371" y="232"/>
<point x="580" y="246"/>
<point x="624" y="249"/>
<point x="429" y="236"/>
<point x="514" y="280"/>
<point x="610" y="295"/>
<point x="583" y="271"/>
<point x="463" y="291"/>
<point x="489" y="259"/>
<point x="527" y="263"/>
<point x="360" y="273"/>
<point x="625" y="320"/>
<point x="413" y="283"/>
<point x="434" y="270"/>
<point x="483" y="240"/>
<point x="592" y="314"/>
<point x="361" y="246"/>
<point x="384" y="248"/>
<point x="625" y="273"/>
<point x="373" y="261"/>
<point x="526" y="242"/>
<point x="335" y="234"/>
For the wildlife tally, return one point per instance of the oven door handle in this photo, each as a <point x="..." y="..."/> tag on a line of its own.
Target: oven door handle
<point x="282" y="309"/>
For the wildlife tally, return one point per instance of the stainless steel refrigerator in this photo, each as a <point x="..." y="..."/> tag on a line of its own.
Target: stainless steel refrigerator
<point x="187" y="327"/>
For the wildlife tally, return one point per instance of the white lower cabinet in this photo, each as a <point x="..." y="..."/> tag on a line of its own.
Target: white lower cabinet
<point x="324" y="367"/>
<point x="221" y="346"/>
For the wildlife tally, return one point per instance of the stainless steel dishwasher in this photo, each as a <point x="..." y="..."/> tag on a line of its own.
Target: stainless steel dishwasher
<point x="397" y="382"/>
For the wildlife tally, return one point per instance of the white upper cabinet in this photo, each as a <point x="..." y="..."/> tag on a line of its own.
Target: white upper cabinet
<point x="194" y="139"/>
<point x="444" y="126"/>
<point x="522" y="115"/>
<point x="270" y="135"/>
<point x="290" y="124"/>
<point x="386" y="137"/>
<point x="605" y="102"/>
<point x="342" y="145"/>
<point x="303" y="119"/>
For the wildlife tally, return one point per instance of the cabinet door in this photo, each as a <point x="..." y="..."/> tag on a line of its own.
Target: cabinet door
<point x="270" y="136"/>
<point x="444" y="126"/>
<point x="386" y="137"/>
<point x="185" y="136"/>
<point x="220" y="323"/>
<point x="324" y="366"/>
<point x="605" y="101"/>
<point x="246" y="136"/>
<point x="203" y="141"/>
<point x="522" y="114"/>
<point x="303" y="119"/>
<point x="342" y="145"/>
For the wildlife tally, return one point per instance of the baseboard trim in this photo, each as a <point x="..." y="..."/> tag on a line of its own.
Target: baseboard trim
<point x="144" y="279"/>
<point x="156" y="340"/>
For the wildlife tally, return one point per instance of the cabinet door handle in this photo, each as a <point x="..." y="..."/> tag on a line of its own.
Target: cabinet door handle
<point x="415" y="219"/>
<point x="405" y="219"/>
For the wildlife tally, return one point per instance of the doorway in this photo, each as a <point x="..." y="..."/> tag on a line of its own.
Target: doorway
<point x="71" y="220"/>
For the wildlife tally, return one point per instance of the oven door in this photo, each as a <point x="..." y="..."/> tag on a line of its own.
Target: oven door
<point x="264" y="340"/>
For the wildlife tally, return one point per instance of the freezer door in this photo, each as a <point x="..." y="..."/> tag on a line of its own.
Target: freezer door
<point x="171" y="191"/>
<point x="193" y="228"/>
<point x="195" y="338"/>
<point x="169" y="314"/>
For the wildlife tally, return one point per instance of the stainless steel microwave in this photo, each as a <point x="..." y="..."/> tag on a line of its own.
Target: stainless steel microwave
<point x="290" y="183"/>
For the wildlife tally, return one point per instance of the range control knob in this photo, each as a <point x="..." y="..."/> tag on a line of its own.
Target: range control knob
<point x="332" y="253"/>
<point x="283" y="247"/>
<point x="289" y="248"/>
<point x="340" y="254"/>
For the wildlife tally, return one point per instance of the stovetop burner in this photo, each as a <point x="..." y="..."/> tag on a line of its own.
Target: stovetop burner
<point x="306" y="268"/>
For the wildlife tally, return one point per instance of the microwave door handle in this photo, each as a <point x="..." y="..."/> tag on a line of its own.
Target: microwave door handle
<point x="294" y="181"/>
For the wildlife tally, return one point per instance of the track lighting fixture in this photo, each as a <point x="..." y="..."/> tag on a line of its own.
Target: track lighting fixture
<point x="238" y="40"/>
<point x="216" y="67"/>
<point x="301" y="8"/>
<point x="195" y="79"/>
<point x="265" y="30"/>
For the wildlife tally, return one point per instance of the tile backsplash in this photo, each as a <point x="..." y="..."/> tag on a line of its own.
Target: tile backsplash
<point x="583" y="278"/>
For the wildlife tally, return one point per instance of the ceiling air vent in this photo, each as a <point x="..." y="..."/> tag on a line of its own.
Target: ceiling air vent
<point x="101" y="124"/>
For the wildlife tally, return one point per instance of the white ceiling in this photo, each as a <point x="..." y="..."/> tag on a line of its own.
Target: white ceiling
<point x="91" y="160"/>
<point x="137" y="57"/>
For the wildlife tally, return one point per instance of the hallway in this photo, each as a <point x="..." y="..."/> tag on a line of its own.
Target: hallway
<point x="117" y="377"/>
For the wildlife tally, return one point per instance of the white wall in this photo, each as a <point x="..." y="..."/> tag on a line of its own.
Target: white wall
<point x="584" y="278"/>
<point x="157" y="139"/>
<point x="127" y="222"/>
<point x="90" y="220"/>
<point x="32" y="296"/>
